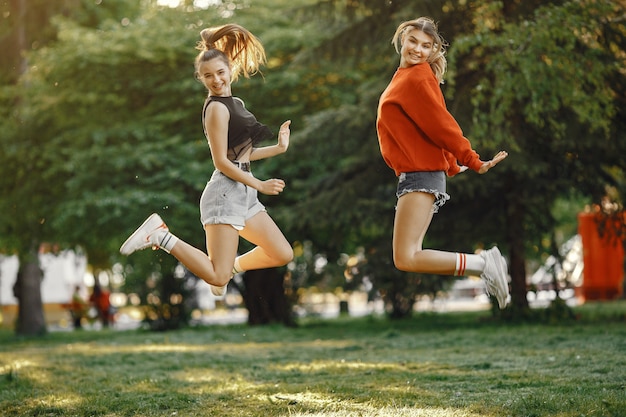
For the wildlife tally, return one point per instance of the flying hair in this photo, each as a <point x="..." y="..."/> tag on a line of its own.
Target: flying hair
<point x="234" y="44"/>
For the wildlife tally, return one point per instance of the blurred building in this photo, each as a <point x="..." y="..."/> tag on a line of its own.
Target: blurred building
<point x="62" y="272"/>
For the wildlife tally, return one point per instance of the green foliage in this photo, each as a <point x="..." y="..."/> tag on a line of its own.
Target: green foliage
<point x="559" y="66"/>
<point x="543" y="86"/>
<point x="558" y="312"/>
<point x="26" y="25"/>
<point x="539" y="80"/>
<point x="107" y="144"/>
<point x="104" y="127"/>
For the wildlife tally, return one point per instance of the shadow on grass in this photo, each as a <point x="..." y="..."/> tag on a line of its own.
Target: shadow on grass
<point x="434" y="364"/>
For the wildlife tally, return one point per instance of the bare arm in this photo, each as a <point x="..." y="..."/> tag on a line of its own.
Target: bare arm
<point x="216" y="123"/>
<point x="273" y="150"/>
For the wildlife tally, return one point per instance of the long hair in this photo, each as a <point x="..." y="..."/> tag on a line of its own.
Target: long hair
<point x="235" y="45"/>
<point x="437" y="58"/>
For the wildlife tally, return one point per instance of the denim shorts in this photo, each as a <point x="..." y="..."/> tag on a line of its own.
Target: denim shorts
<point x="432" y="182"/>
<point x="226" y="201"/>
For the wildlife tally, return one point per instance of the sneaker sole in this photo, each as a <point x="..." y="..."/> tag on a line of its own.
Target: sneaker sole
<point x="125" y="248"/>
<point x="502" y="277"/>
<point x="506" y="281"/>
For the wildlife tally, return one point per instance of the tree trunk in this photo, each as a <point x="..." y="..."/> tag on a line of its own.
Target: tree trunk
<point x="27" y="289"/>
<point x="21" y="36"/>
<point x="517" y="265"/>
<point x="264" y="297"/>
<point x="13" y="43"/>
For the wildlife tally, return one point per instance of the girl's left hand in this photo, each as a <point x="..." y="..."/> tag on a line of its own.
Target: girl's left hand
<point x="490" y="164"/>
<point x="273" y="186"/>
<point x="283" y="135"/>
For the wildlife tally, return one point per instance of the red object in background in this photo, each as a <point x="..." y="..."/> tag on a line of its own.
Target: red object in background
<point x="603" y="273"/>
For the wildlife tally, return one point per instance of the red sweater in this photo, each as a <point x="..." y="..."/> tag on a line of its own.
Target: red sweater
<point x="415" y="130"/>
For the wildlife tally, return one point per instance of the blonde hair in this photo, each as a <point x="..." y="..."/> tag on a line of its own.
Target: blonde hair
<point x="437" y="58"/>
<point x="235" y="45"/>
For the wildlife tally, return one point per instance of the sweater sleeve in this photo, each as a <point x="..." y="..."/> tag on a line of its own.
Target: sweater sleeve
<point x="452" y="162"/>
<point x="425" y="105"/>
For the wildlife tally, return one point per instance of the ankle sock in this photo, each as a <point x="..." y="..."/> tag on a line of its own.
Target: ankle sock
<point x="236" y="267"/>
<point x="167" y="242"/>
<point x="467" y="264"/>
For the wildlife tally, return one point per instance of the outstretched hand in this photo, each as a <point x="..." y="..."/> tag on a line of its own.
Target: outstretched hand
<point x="283" y="135"/>
<point x="492" y="163"/>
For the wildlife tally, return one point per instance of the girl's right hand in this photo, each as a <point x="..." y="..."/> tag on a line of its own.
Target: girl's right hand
<point x="272" y="186"/>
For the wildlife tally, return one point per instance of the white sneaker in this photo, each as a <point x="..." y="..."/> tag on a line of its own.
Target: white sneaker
<point x="495" y="275"/>
<point x="218" y="291"/>
<point x="149" y="234"/>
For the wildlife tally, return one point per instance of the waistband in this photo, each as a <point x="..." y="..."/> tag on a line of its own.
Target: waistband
<point x="244" y="166"/>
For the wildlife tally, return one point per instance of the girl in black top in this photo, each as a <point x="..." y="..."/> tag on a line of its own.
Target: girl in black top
<point x="229" y="205"/>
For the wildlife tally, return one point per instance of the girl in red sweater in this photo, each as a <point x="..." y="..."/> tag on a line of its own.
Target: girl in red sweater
<point x="421" y="141"/>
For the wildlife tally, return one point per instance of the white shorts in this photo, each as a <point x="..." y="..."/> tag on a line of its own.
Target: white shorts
<point x="226" y="201"/>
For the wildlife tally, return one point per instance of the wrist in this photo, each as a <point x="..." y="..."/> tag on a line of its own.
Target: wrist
<point x="257" y="184"/>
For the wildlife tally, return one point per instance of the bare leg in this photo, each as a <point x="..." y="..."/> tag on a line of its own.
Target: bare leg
<point x="413" y="217"/>
<point x="272" y="249"/>
<point x="215" y="268"/>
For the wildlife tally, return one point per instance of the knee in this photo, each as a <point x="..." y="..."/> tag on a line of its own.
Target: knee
<point x="281" y="254"/>
<point x="402" y="262"/>
<point x="285" y="255"/>
<point x="221" y="278"/>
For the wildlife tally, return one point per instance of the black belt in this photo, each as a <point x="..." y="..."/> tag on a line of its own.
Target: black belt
<point x="244" y="166"/>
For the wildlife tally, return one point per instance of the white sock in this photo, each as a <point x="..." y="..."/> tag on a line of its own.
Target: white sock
<point x="236" y="267"/>
<point x="467" y="264"/>
<point x="167" y="242"/>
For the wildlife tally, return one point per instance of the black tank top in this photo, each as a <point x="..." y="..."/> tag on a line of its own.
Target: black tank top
<point x="244" y="131"/>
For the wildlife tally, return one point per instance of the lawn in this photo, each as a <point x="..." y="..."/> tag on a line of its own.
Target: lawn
<point x="441" y="365"/>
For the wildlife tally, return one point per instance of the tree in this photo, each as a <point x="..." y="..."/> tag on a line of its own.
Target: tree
<point x="27" y="26"/>
<point x="94" y="133"/>
<point x="112" y="112"/>
<point x="30" y="186"/>
<point x="544" y="87"/>
<point x="264" y="296"/>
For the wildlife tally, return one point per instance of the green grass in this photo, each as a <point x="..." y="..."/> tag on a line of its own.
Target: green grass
<point x="441" y="365"/>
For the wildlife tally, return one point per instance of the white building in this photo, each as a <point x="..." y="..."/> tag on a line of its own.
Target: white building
<point x="62" y="273"/>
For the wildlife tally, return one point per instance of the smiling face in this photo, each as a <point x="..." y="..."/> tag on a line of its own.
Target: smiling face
<point x="215" y="74"/>
<point x="416" y="47"/>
